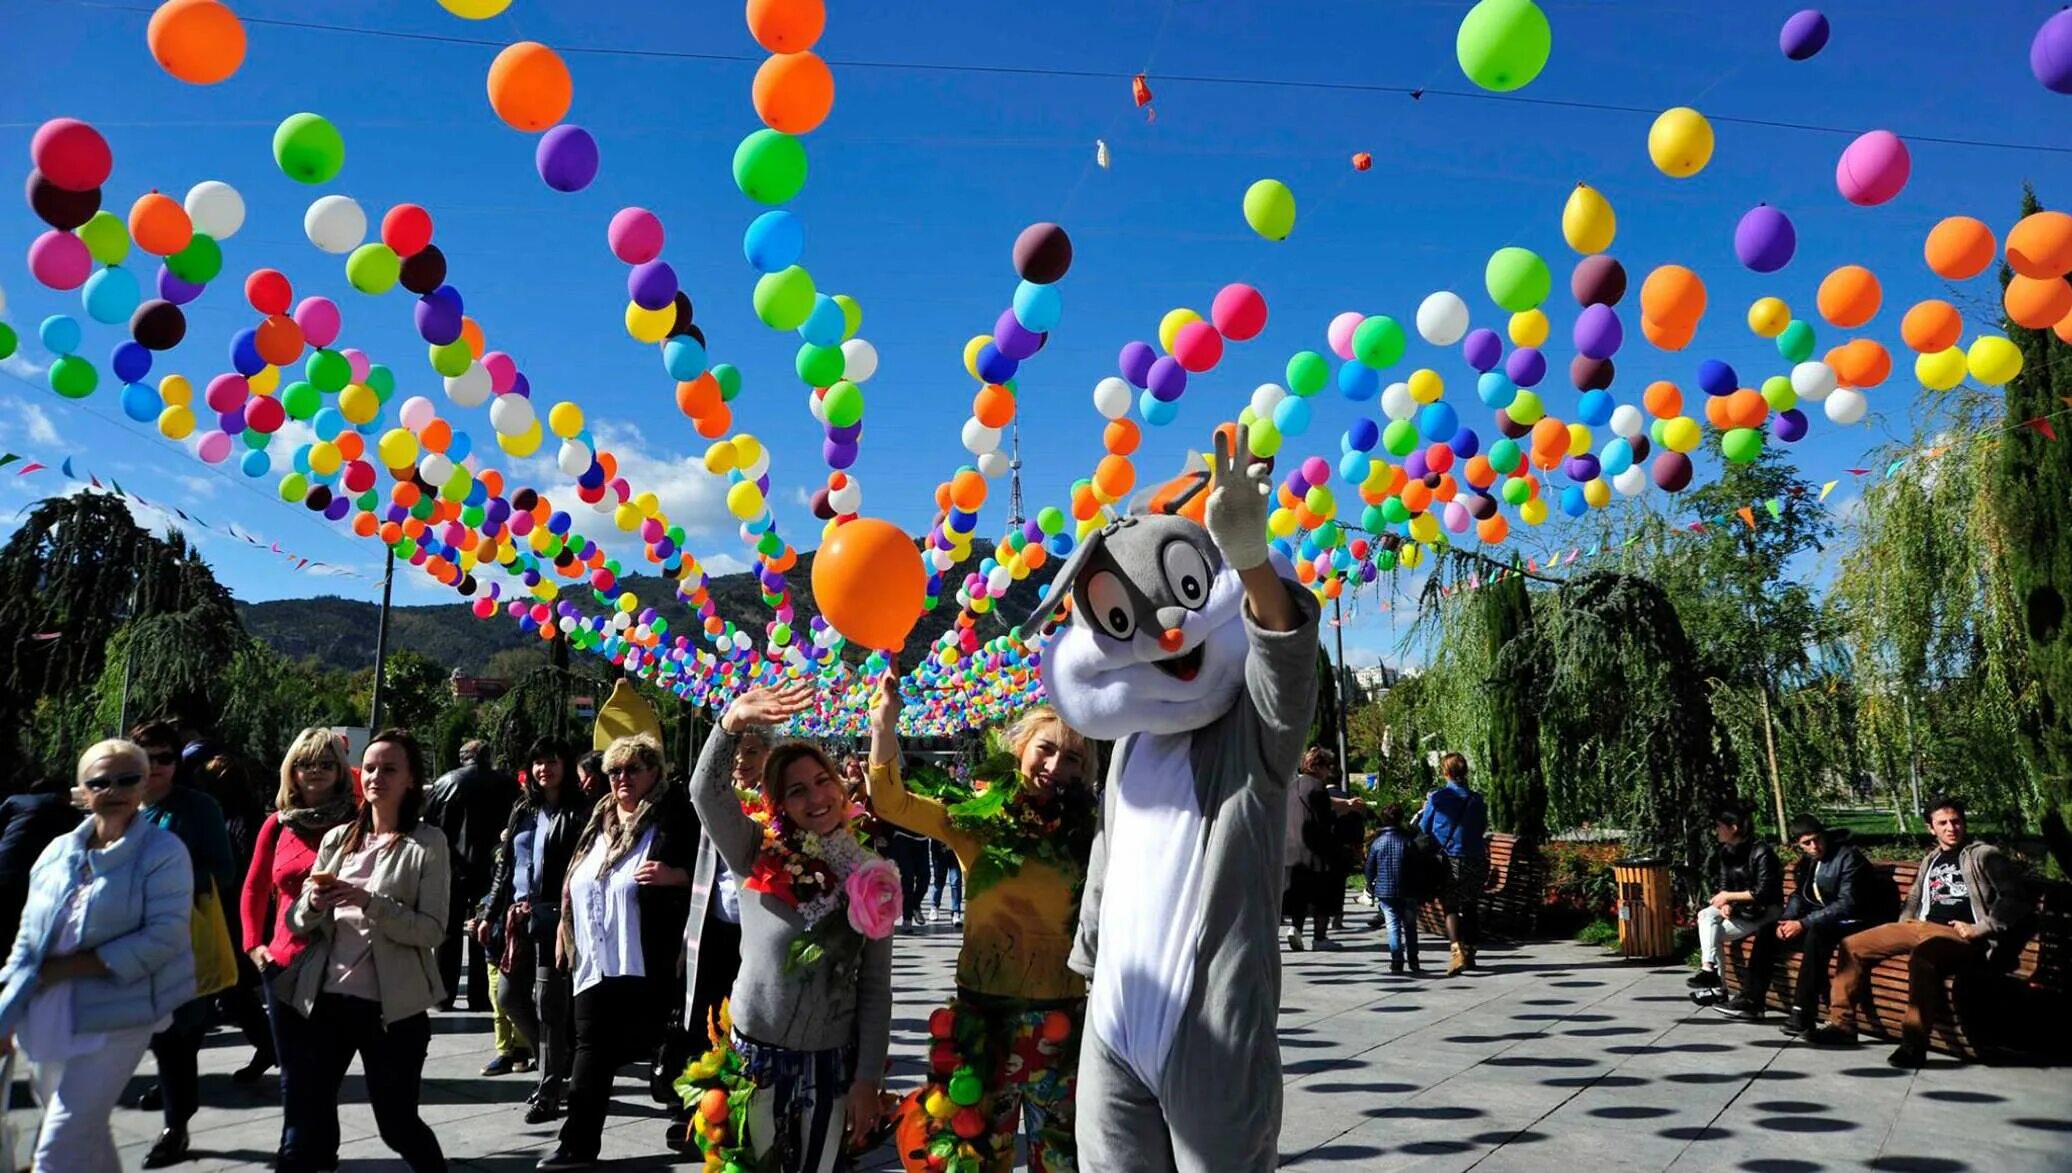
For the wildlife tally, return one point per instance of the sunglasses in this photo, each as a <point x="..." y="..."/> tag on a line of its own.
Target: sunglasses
<point x="112" y="782"/>
<point x="164" y="757"/>
<point x="626" y="770"/>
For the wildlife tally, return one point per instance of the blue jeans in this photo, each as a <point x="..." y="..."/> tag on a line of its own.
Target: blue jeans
<point x="1400" y="915"/>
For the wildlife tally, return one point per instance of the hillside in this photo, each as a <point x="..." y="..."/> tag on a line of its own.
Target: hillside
<point x="340" y="632"/>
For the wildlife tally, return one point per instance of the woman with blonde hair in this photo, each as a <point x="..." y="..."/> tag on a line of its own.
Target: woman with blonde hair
<point x="1011" y="1033"/>
<point x="101" y="960"/>
<point x="623" y="907"/>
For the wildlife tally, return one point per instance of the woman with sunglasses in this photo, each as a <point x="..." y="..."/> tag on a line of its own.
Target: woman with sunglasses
<point x="101" y="960"/>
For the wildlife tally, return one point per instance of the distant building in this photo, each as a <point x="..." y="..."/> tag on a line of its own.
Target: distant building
<point x="478" y="688"/>
<point x="1371" y="684"/>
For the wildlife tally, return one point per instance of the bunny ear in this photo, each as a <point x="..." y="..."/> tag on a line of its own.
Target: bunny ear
<point x="1061" y="583"/>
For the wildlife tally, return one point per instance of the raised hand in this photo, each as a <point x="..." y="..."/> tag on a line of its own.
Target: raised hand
<point x="885" y="705"/>
<point x="767" y="706"/>
<point x="1239" y="494"/>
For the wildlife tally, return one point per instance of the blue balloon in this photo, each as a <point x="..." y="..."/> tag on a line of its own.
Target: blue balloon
<point x="244" y="352"/>
<point x="1155" y="411"/>
<point x="60" y="334"/>
<point x="774" y="241"/>
<point x="1291" y="415"/>
<point x="826" y="324"/>
<point x="1594" y="407"/>
<point x="329" y="423"/>
<point x="1357" y="382"/>
<point x="1038" y="307"/>
<point x="1465" y="443"/>
<point x="131" y="361"/>
<point x="1573" y="503"/>
<point x="1354" y="466"/>
<point x="1495" y="389"/>
<point x="1616" y="457"/>
<point x="300" y="459"/>
<point x="685" y="359"/>
<point x="1437" y="422"/>
<point x="457" y="450"/>
<point x="111" y="295"/>
<point x="995" y="367"/>
<point x="141" y="403"/>
<point x="1363" y="435"/>
<point x="256" y="463"/>
<point x="1717" y="378"/>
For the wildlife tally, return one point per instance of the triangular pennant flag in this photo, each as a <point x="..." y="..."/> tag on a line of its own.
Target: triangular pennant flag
<point x="1858" y="472"/>
<point x="1894" y="466"/>
<point x="1827" y="488"/>
<point x="66" y="467"/>
<point x="96" y="480"/>
<point x="7" y="459"/>
<point x="30" y="467"/>
<point x="1697" y="527"/>
<point x="1775" y="507"/>
<point x="2043" y="425"/>
<point x="1747" y="516"/>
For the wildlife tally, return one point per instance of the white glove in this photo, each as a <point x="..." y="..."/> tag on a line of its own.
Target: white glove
<point x="1238" y="495"/>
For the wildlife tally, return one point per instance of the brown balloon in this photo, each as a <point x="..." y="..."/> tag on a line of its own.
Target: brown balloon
<point x="61" y="209"/>
<point x="158" y="325"/>
<point x="1510" y="427"/>
<point x="1590" y="374"/>
<point x="1598" y="280"/>
<point x="1042" y="253"/>
<point x="424" y="270"/>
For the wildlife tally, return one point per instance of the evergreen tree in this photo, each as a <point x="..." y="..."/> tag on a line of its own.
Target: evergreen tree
<point x="1511" y="765"/>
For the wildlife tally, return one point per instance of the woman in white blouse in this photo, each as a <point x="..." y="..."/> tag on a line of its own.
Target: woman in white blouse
<point x="627" y="897"/>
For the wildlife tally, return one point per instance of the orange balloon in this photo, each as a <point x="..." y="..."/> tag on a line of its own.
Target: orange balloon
<point x="1860" y="362"/>
<point x="1663" y="399"/>
<point x="279" y="340"/>
<point x="352" y="446"/>
<point x="1931" y="327"/>
<point x="968" y="490"/>
<point x="159" y="224"/>
<point x="1334" y="587"/>
<point x="2040" y="245"/>
<point x="364" y="524"/>
<point x="1121" y="436"/>
<point x="1959" y="248"/>
<point x="2037" y="303"/>
<point x="1663" y="337"/>
<point x="1850" y="296"/>
<point x="471" y="333"/>
<point x="1084" y="503"/>
<point x="786" y="26"/>
<point x="2064" y="330"/>
<point x="1717" y="412"/>
<point x="1550" y="435"/>
<point x="715" y="423"/>
<point x="1479" y="473"/>
<point x="1673" y="296"/>
<point x="1493" y="529"/>
<point x="1417" y="496"/>
<point x="793" y="92"/>
<point x="1115" y="476"/>
<point x="1747" y="408"/>
<point x="529" y="86"/>
<point x="869" y="583"/>
<point x="1448" y="489"/>
<point x="1034" y="555"/>
<point x="699" y="396"/>
<point x="436" y="436"/>
<point x="993" y="405"/>
<point x="198" y="41"/>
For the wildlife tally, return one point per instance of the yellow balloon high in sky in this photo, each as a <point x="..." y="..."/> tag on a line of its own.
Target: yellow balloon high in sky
<point x="474" y="9"/>
<point x="1680" y="142"/>
<point x="1587" y="221"/>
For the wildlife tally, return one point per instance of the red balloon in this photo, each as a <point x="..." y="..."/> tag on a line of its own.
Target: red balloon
<point x="71" y="154"/>
<point x="869" y="583"/>
<point x="269" y="292"/>
<point x="407" y="229"/>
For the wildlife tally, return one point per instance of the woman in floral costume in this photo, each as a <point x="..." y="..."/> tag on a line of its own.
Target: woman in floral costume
<point x="1007" y="1046"/>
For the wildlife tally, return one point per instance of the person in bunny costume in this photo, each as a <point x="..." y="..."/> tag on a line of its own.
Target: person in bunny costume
<point x="1194" y="649"/>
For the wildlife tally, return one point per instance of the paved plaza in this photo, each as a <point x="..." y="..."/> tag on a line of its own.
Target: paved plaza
<point x="1554" y="1057"/>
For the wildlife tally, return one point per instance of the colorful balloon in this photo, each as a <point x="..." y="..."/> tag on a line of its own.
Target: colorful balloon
<point x="201" y="42"/>
<point x="529" y="87"/>
<point x="308" y="149"/>
<point x="1587" y="221"/>
<point x="1270" y="209"/>
<point x="1765" y="240"/>
<point x="869" y="583"/>
<point x="1680" y="142"/>
<point x="566" y="158"/>
<point x="1502" y="45"/>
<point x="71" y="154"/>
<point x="1805" y="33"/>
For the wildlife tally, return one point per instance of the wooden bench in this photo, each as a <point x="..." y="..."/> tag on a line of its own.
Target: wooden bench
<point x="2030" y="1004"/>
<point x="1513" y="893"/>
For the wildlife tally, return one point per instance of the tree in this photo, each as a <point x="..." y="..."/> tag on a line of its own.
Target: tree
<point x="514" y="663"/>
<point x="1511" y="762"/>
<point x="414" y="690"/>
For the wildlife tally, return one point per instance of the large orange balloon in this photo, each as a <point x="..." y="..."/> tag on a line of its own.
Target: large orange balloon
<point x="1850" y="296"/>
<point x="793" y="92"/>
<point x="1674" y="297"/>
<point x="1718" y="412"/>
<point x="1747" y="408"/>
<point x="529" y="86"/>
<point x="2035" y="303"/>
<point x="1931" y="327"/>
<point x="1663" y="337"/>
<point x="2040" y="245"/>
<point x="786" y="26"/>
<point x="198" y="41"/>
<point x="869" y="583"/>
<point x="159" y="225"/>
<point x="993" y="406"/>
<point x="1493" y="529"/>
<point x="1860" y="362"/>
<point x="1663" y="399"/>
<point x="2063" y="330"/>
<point x="1959" y="248"/>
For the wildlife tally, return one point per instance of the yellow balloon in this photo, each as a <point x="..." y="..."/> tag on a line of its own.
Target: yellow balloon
<point x="1169" y="326"/>
<point x="747" y="449"/>
<point x="176" y="422"/>
<point x="1424" y="527"/>
<point x="397" y="449"/>
<point x="1533" y="512"/>
<point x="1942" y="370"/>
<point x="720" y="459"/>
<point x="1529" y="328"/>
<point x="1597" y="492"/>
<point x="1320" y="501"/>
<point x="971" y="350"/>
<point x="176" y="391"/>
<point x="524" y="444"/>
<point x="1768" y="316"/>
<point x="1281" y="523"/>
<point x="1587" y="222"/>
<point x="565" y="420"/>
<point x="474" y="9"/>
<point x="1527" y="408"/>
<point x="1409" y="557"/>
<point x="745" y="501"/>
<point x="1426" y="386"/>
<point x="324" y="457"/>
<point x="358" y="403"/>
<point x="1681" y="434"/>
<point x="647" y="503"/>
<point x="1578" y="439"/>
<point x="649" y="326"/>
<point x="1993" y="360"/>
<point x="264" y="383"/>
<point x="626" y="517"/>
<point x="1680" y="142"/>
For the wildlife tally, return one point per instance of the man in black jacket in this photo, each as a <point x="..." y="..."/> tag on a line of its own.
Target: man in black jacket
<point x="1832" y="898"/>
<point x="472" y="805"/>
<point x="28" y="823"/>
<point x="1749" y="899"/>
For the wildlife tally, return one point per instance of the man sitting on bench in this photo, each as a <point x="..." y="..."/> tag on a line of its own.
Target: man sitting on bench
<point x="1966" y="900"/>
<point x="1748" y="900"/>
<point x="1831" y="899"/>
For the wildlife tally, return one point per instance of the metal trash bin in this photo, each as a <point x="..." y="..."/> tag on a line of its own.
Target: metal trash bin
<point x="1647" y="914"/>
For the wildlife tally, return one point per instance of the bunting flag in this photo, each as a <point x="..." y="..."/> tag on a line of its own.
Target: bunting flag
<point x="1775" y="507"/>
<point x="1747" y="516"/>
<point x="2042" y="426"/>
<point x="1101" y="153"/>
<point x="66" y="468"/>
<point x="7" y="458"/>
<point x="1826" y="489"/>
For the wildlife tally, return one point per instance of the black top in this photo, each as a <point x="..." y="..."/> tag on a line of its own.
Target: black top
<point x="28" y="823"/>
<point x="472" y="805"/>
<point x="1945" y="897"/>
<point x="1751" y="866"/>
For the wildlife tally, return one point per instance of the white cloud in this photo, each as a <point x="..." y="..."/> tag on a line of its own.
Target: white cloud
<point x="197" y="486"/>
<point x="27" y="420"/>
<point x="21" y="366"/>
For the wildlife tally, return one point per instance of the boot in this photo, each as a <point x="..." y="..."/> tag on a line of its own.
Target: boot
<point x="1458" y="961"/>
<point x="1395" y="961"/>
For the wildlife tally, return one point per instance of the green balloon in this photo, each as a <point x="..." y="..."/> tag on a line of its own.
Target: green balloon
<point x="1051" y="520"/>
<point x="1270" y="209"/>
<point x="308" y="148"/>
<point x="852" y="315"/>
<point x="1517" y="491"/>
<point x="255" y="439"/>
<point x="1796" y="343"/>
<point x="1328" y="536"/>
<point x="294" y="487"/>
<point x="843" y="404"/>
<point x="199" y="262"/>
<point x="1741" y="445"/>
<point x="728" y="376"/>
<point x="1655" y="433"/>
<point x="819" y="366"/>
<point x="327" y="371"/>
<point x="1372" y="517"/>
<point x="1394" y="512"/>
<point x="381" y="381"/>
<point x="1517" y="279"/>
<point x="770" y="167"/>
<point x="373" y="268"/>
<point x="1400" y="438"/>
<point x="8" y="341"/>
<point x="301" y="399"/>
<point x="784" y="299"/>
<point x="105" y="237"/>
<point x="1504" y="455"/>
<point x="1379" y="342"/>
<point x="1386" y="560"/>
<point x="452" y="359"/>
<point x="1307" y="372"/>
<point x="1778" y="393"/>
<point x="1503" y="44"/>
<point x="73" y="377"/>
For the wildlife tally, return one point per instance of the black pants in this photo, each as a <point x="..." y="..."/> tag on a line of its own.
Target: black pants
<point x="1314" y="894"/>
<point x="391" y="1059"/>
<point x="177" y="1050"/>
<point x="460" y="945"/>
<point x="618" y="1021"/>
<point x="719" y="963"/>
<point x="244" y="1006"/>
<point x="910" y="854"/>
<point x="1817" y="947"/>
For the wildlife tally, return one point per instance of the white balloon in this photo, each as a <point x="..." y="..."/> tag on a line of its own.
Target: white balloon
<point x="848" y="498"/>
<point x="1632" y="481"/>
<point x="1265" y="398"/>
<point x="859" y="361"/>
<point x="215" y="208"/>
<point x="757" y="467"/>
<point x="1627" y="421"/>
<point x="1396" y="402"/>
<point x="3" y="302"/>
<point x="993" y="465"/>
<point x="942" y="559"/>
<point x="1813" y="380"/>
<point x="1442" y="318"/>
<point x="1846" y="405"/>
<point x="998" y="581"/>
<point x="1113" y="397"/>
<point x="335" y="224"/>
<point x="470" y="388"/>
<point x="815" y="405"/>
<point x="980" y="439"/>
<point x="511" y="415"/>
<point x="574" y="458"/>
<point x="435" y="468"/>
<point x="415" y="412"/>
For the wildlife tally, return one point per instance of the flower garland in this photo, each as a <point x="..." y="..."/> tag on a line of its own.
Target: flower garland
<point x="820" y="875"/>
<point x="1016" y="824"/>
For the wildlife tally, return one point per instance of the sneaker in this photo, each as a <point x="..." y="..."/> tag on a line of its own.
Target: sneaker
<point x="251" y="1072"/>
<point x="1376" y="923"/>
<point x="1395" y="965"/>
<point x="169" y="1149"/>
<point x="1294" y="941"/>
<point x="1704" y="979"/>
<point x="1745" y="1009"/>
<point x="562" y="1159"/>
<point x="1326" y="943"/>
<point x="957" y="919"/>
<point x="1827" y="1034"/>
<point x="1908" y="1057"/>
<point x="1456" y="960"/>
<point x="1796" y="1022"/>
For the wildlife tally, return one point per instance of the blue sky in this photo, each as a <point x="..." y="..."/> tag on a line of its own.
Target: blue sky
<point x="922" y="177"/>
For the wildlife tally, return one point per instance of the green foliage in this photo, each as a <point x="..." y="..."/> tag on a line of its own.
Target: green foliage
<point x="1511" y="758"/>
<point x="1602" y="933"/>
<point x="414" y="690"/>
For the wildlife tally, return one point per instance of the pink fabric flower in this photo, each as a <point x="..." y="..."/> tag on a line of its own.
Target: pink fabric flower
<point x="874" y="899"/>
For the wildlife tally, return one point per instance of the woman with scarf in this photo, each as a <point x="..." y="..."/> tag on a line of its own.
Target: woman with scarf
<point x="811" y="1011"/>
<point x="623" y="905"/>
<point x="1008" y="1044"/>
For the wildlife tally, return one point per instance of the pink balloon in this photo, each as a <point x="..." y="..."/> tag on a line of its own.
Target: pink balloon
<point x="1239" y="312"/>
<point x="214" y="448"/>
<point x="1340" y="333"/>
<point x="319" y="319"/>
<point x="1873" y="169"/>
<point x="635" y="235"/>
<point x="60" y="260"/>
<point x="1316" y="470"/>
<point x="503" y="371"/>
<point x="416" y="413"/>
<point x="1197" y="346"/>
<point x="1457" y="517"/>
<point x="227" y="392"/>
<point x="361" y="364"/>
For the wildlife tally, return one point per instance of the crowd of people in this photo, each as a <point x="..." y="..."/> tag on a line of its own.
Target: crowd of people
<point x="608" y="913"/>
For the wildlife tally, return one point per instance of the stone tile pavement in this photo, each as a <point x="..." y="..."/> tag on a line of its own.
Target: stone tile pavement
<point x="1554" y="1057"/>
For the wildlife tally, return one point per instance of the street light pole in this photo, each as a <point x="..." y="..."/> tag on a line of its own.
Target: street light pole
<point x="388" y="582"/>
<point x="1338" y="630"/>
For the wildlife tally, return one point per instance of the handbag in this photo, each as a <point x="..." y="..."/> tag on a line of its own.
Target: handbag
<point x="215" y="960"/>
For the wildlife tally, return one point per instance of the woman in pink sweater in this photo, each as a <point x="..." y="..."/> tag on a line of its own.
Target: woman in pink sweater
<point x="316" y="795"/>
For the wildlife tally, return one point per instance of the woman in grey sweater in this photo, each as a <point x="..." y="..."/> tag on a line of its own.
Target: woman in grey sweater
<point x="812" y="1006"/>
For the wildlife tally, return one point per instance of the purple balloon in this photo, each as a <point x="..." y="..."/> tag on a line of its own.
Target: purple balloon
<point x="1015" y="340"/>
<point x="566" y="158"/>
<point x="846" y="434"/>
<point x="174" y="290"/>
<point x="651" y="285"/>
<point x="520" y="386"/>
<point x="1526" y="366"/>
<point x="2050" y="54"/>
<point x="1414" y="465"/>
<point x="1765" y="239"/>
<point x="1597" y="332"/>
<point x="337" y="508"/>
<point x="437" y="321"/>
<point x="1166" y="379"/>
<point x="1672" y="472"/>
<point x="1583" y="468"/>
<point x="837" y="456"/>
<point x="1135" y="363"/>
<point x="1803" y="34"/>
<point x="1482" y="349"/>
<point x="1590" y="374"/>
<point x="231" y="423"/>
<point x="1791" y="425"/>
